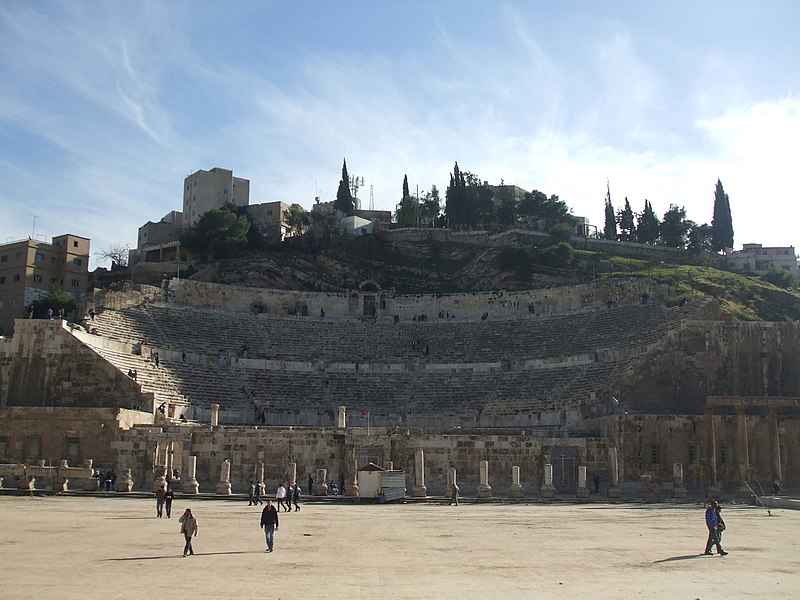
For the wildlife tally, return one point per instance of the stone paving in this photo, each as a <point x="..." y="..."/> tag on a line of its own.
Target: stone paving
<point x="114" y="547"/>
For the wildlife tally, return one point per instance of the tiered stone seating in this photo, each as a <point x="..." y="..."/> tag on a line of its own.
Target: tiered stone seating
<point x="481" y="373"/>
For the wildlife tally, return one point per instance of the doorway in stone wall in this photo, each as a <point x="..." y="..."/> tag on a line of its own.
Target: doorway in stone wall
<point x="369" y="306"/>
<point x="565" y="468"/>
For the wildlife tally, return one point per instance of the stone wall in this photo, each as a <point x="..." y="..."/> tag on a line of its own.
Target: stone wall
<point x="131" y="295"/>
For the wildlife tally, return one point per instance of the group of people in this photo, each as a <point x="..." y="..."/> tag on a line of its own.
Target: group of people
<point x="107" y="480"/>
<point x="715" y="526"/>
<point x="164" y="498"/>
<point x="285" y="496"/>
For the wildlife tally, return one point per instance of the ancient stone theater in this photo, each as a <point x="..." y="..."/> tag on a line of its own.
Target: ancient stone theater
<point x="612" y="388"/>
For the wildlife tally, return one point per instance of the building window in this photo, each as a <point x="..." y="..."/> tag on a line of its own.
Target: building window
<point x="2" y="279"/>
<point x="37" y="279"/>
<point x="74" y="244"/>
<point x="53" y="259"/>
<point x="54" y="280"/>
<point x="13" y="303"/>
<point x="655" y="455"/>
<point x="73" y="449"/>
<point x="4" y="258"/>
<point x="723" y="455"/>
<point x="1" y="304"/>
<point x="77" y="261"/>
<point x="18" y="256"/>
<point x="752" y="455"/>
<point x="692" y="453"/>
<point x="76" y="283"/>
<point x="195" y="183"/>
<point x="33" y="447"/>
<point x="225" y="191"/>
<point x="16" y="276"/>
<point x="39" y="257"/>
<point x="3" y="447"/>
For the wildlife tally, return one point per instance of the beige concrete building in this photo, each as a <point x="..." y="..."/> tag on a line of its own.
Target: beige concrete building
<point x="269" y="216"/>
<point x="29" y="267"/>
<point x="757" y="259"/>
<point x="206" y="190"/>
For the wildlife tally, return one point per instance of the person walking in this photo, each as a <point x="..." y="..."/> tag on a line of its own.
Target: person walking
<point x="169" y="496"/>
<point x="310" y="487"/>
<point x="188" y="529"/>
<point x="252" y="494"/>
<point x="711" y="524"/>
<point x="454" y="495"/>
<point x="296" y="496"/>
<point x="720" y="522"/>
<point x="269" y="523"/>
<point x="259" y="492"/>
<point x="280" y="497"/>
<point x="159" y="493"/>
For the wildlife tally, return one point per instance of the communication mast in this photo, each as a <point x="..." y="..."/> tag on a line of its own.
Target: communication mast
<point x="371" y="198"/>
<point x="355" y="183"/>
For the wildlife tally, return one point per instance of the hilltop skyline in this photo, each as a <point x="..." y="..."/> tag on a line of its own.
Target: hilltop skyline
<point x="104" y="112"/>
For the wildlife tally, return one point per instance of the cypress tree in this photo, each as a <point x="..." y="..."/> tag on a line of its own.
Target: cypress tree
<point x="344" y="198"/>
<point x="610" y="228"/>
<point x="721" y="223"/>
<point x="627" y="225"/>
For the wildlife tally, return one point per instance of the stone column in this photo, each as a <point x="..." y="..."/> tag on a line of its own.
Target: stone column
<point x="548" y="489"/>
<point x="742" y="451"/>
<point x="321" y="483"/>
<point x="259" y="471"/>
<point x="159" y="477"/>
<point x="125" y="483"/>
<point x="515" y="490"/>
<point x="224" y="485"/>
<point x="351" y="470"/>
<point x="582" y="491"/>
<point x="291" y="473"/>
<point x="341" y="422"/>
<point x="60" y="482"/>
<point x="645" y="487"/>
<point x="169" y="458"/>
<point x="713" y="486"/>
<point x="419" y="490"/>
<point x="613" y="474"/>
<point x="388" y="465"/>
<point x="214" y="415"/>
<point x="775" y="438"/>
<point x="90" y="484"/>
<point x="678" y="491"/>
<point x="484" y="489"/>
<point x="190" y="485"/>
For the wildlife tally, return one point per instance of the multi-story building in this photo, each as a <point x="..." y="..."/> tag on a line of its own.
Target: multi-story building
<point x="758" y="260"/>
<point x="206" y="190"/>
<point x="269" y="216"/>
<point x="29" y="267"/>
<point x="159" y="242"/>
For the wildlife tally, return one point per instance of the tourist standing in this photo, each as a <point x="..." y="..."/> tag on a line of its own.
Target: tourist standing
<point x="188" y="529"/>
<point x="160" y="501"/>
<point x="252" y="493"/>
<point x="596" y="480"/>
<point x="280" y="497"/>
<point x="310" y="484"/>
<point x="711" y="524"/>
<point x="169" y="496"/>
<point x="296" y="496"/>
<point x="454" y="495"/>
<point x="269" y="523"/>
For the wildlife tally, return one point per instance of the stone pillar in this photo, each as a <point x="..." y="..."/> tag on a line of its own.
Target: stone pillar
<point x="341" y="422"/>
<point x="169" y="460"/>
<point x="645" y="487"/>
<point x="159" y="477"/>
<point x="582" y="491"/>
<point x="321" y="483"/>
<point x="548" y="489"/>
<point x="1" y="482"/>
<point x="613" y="474"/>
<point x="291" y="473"/>
<point x="515" y="490"/>
<point x="59" y="481"/>
<point x="775" y="439"/>
<point x="388" y="465"/>
<point x="90" y="484"/>
<point x="224" y="485"/>
<point x="484" y="489"/>
<point x="351" y="470"/>
<point x="259" y="471"/>
<point x="419" y="490"/>
<point x="742" y="451"/>
<point x="190" y="485"/>
<point x="214" y="415"/>
<point x="713" y="486"/>
<point x="678" y="491"/>
<point x="125" y="483"/>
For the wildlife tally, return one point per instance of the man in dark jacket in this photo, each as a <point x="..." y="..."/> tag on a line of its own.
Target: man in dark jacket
<point x="269" y="523"/>
<point x="711" y="524"/>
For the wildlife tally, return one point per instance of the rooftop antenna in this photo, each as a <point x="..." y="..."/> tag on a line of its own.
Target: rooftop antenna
<point x="371" y="198"/>
<point x="33" y="233"/>
<point x="355" y="183"/>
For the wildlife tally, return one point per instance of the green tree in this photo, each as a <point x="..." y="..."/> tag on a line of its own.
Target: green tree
<point x="722" y="223"/>
<point x="430" y="207"/>
<point x="468" y="201"/>
<point x="647" y="227"/>
<point x="456" y="199"/>
<point x="324" y="225"/>
<point x="219" y="233"/>
<point x="627" y="226"/>
<point x="297" y="219"/>
<point x="55" y="299"/>
<point x="699" y="237"/>
<point x="344" y="198"/>
<point x="610" y="226"/>
<point x="780" y="278"/>
<point x="674" y="227"/>
<point x="407" y="213"/>
<point x="506" y="206"/>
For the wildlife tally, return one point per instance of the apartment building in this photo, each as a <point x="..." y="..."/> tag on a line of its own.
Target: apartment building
<point x="29" y="267"/>
<point x="206" y="190"/>
<point x="758" y="259"/>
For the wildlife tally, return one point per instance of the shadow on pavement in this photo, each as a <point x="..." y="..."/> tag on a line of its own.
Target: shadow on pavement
<point x="673" y="558"/>
<point x="175" y="556"/>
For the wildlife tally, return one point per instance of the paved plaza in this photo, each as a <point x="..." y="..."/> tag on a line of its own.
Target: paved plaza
<point x="114" y="547"/>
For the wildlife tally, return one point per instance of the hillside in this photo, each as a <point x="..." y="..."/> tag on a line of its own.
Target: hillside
<point x="447" y="267"/>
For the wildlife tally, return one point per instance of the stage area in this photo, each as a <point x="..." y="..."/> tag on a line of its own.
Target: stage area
<point x="66" y="547"/>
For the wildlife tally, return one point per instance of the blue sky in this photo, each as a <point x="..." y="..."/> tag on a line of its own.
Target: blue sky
<point x="105" y="107"/>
